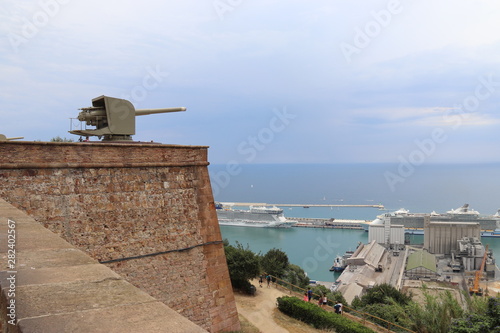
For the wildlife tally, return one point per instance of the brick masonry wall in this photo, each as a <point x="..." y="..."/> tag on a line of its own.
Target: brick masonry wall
<point x="117" y="201"/>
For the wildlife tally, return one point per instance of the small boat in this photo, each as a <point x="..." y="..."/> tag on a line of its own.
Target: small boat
<point x="340" y="262"/>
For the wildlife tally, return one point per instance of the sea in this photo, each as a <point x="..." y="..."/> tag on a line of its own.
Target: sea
<point x="419" y="189"/>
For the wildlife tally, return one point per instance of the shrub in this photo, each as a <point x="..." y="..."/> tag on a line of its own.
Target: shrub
<point x="275" y="262"/>
<point x="243" y="265"/>
<point x="317" y="317"/>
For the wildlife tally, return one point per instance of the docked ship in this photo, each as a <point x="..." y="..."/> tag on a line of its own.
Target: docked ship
<point x="414" y="222"/>
<point x="340" y="262"/>
<point x="256" y="216"/>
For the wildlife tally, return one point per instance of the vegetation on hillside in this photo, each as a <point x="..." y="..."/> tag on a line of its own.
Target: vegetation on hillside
<point x="244" y="265"/>
<point x="439" y="313"/>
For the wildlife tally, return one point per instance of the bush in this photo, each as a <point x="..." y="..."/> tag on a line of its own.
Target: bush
<point x="382" y="293"/>
<point x="317" y="317"/>
<point x="295" y="275"/>
<point x="275" y="262"/>
<point x="243" y="265"/>
<point x="333" y="297"/>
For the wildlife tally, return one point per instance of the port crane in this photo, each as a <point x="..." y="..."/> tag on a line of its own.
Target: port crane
<point x="474" y="289"/>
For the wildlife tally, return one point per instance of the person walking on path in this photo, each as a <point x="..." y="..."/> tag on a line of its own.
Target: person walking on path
<point x="309" y="294"/>
<point x="338" y="307"/>
<point x="268" y="278"/>
<point x="261" y="280"/>
<point x="306" y="298"/>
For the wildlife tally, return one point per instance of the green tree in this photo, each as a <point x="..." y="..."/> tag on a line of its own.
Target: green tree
<point x="483" y="316"/>
<point x="393" y="313"/>
<point x="295" y="275"/>
<point x="243" y="265"/>
<point x="59" y="139"/>
<point x="275" y="262"/>
<point x="494" y="312"/>
<point x="382" y="294"/>
<point x="472" y="323"/>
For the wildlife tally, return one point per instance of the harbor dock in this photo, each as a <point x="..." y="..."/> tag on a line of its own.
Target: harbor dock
<point x="379" y="206"/>
<point x="330" y="223"/>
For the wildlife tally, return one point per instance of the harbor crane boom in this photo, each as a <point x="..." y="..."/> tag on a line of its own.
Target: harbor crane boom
<point x="474" y="289"/>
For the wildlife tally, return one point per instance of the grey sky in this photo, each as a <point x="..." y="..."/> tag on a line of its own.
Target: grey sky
<point x="264" y="81"/>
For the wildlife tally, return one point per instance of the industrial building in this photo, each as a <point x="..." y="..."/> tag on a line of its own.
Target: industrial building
<point x="383" y="232"/>
<point x="370" y="264"/>
<point x="450" y="248"/>
<point x="421" y="264"/>
<point x="442" y="237"/>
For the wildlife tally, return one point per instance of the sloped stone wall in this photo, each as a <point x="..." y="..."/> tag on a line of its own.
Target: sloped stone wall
<point x="145" y="210"/>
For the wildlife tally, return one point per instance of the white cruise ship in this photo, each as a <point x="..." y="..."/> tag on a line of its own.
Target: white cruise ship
<point x="256" y="216"/>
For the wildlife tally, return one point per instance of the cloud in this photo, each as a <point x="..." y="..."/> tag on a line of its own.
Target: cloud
<point x="231" y="72"/>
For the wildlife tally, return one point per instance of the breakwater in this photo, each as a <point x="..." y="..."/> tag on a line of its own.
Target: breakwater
<point x="330" y="223"/>
<point x="379" y="206"/>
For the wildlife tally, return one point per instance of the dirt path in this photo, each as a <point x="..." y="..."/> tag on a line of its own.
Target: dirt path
<point x="259" y="309"/>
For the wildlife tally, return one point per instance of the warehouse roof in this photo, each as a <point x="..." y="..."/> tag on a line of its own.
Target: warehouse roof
<point x="421" y="259"/>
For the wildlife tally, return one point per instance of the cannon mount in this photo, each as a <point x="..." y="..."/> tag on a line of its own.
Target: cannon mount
<point x="113" y="118"/>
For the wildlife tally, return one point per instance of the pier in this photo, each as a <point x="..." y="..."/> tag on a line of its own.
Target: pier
<point x="330" y="223"/>
<point x="379" y="206"/>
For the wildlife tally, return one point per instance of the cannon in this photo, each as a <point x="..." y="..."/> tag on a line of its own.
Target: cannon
<point x="113" y="118"/>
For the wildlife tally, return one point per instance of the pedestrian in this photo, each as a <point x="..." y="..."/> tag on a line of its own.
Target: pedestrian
<point x="268" y="278"/>
<point x="306" y="298"/>
<point x="309" y="294"/>
<point x="338" y="307"/>
<point x="325" y="300"/>
<point x="261" y="280"/>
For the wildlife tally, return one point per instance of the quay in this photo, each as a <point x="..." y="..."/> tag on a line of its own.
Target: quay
<point x="380" y="206"/>
<point x="303" y="222"/>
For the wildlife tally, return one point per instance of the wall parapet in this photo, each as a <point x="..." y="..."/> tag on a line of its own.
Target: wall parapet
<point x="24" y="154"/>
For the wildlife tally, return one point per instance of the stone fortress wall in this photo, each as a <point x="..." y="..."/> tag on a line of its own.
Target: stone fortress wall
<point x="144" y="210"/>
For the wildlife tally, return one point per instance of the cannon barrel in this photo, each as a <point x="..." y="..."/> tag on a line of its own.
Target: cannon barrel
<point x="4" y="138"/>
<point x="143" y="112"/>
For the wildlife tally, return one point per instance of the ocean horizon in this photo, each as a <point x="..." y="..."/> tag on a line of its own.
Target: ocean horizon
<point x="427" y="188"/>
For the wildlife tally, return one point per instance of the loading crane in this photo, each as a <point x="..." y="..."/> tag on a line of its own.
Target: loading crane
<point x="474" y="289"/>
